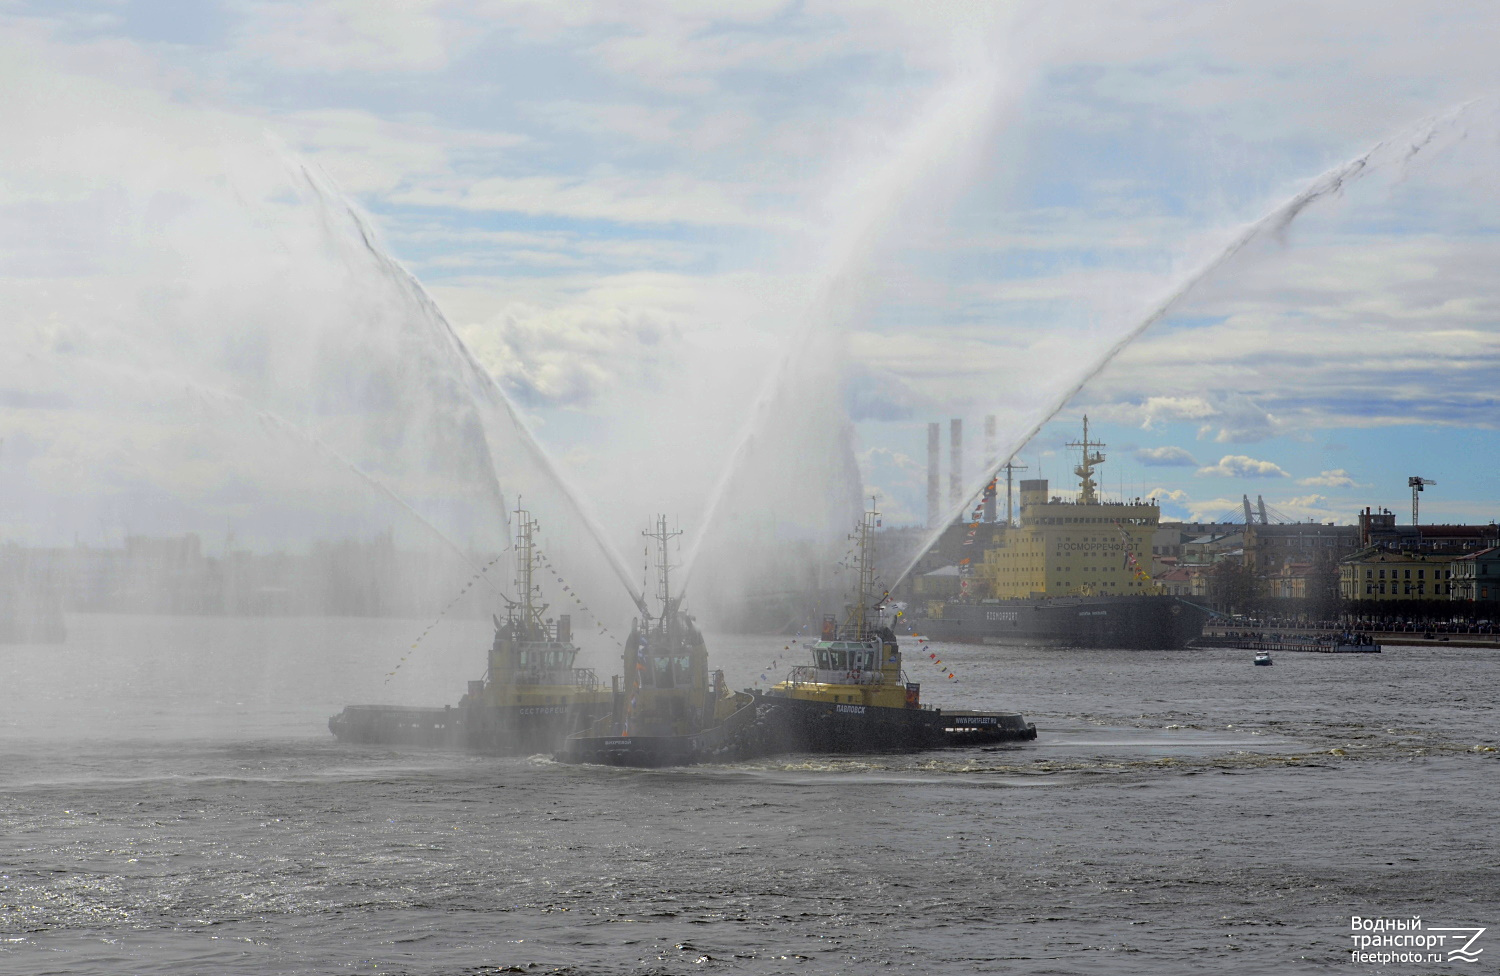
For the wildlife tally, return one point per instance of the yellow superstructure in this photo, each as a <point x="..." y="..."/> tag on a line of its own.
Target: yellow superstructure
<point x="864" y="671"/>
<point x="1071" y="549"/>
<point x="531" y="662"/>
<point x="1085" y="547"/>
<point x="533" y="666"/>
<point x="859" y="664"/>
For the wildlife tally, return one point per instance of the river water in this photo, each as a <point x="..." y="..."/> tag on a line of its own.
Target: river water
<point x="171" y="802"/>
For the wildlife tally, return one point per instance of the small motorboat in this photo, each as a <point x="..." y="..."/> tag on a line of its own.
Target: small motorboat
<point x="1263" y="659"/>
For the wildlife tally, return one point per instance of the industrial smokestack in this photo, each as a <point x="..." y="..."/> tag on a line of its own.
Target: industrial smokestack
<point x="934" y="495"/>
<point x="989" y="466"/>
<point x="955" y="462"/>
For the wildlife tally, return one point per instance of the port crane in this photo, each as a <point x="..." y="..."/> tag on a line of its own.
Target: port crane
<point x="1416" y="484"/>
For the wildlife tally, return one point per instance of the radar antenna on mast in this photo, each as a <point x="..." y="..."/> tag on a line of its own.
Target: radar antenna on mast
<point x="663" y="535"/>
<point x="857" y="626"/>
<point x="527" y="590"/>
<point x="1087" y="487"/>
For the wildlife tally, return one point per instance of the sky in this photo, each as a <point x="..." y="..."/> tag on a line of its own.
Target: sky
<point x="642" y="219"/>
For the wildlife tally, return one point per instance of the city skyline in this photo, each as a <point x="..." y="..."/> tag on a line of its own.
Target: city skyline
<point x="1205" y="480"/>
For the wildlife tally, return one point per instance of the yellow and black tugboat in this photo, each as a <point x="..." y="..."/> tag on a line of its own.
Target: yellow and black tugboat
<point x="667" y="708"/>
<point x="531" y="697"/>
<point x="854" y="697"/>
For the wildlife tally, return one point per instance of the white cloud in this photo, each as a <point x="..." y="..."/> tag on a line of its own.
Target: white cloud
<point x="369" y="154"/>
<point x="1240" y="466"/>
<point x="570" y="355"/>
<point x="1403" y="329"/>
<point x="1313" y="507"/>
<point x="1214" y="510"/>
<point x="672" y="199"/>
<point x="899" y="482"/>
<point x="1164" y="457"/>
<point x="1163" y="408"/>
<point x="350" y="35"/>
<point x="1239" y="420"/>
<point x="1337" y="478"/>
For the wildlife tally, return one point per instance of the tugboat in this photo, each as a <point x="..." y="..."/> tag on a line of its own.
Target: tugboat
<point x="530" y="698"/>
<point x="854" y="697"/>
<point x="668" y="710"/>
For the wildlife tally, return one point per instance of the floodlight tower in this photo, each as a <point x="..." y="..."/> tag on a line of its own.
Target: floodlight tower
<point x="1415" y="484"/>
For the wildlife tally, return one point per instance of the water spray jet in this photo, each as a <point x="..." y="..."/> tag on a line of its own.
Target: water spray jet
<point x="331" y="201"/>
<point x="1407" y="144"/>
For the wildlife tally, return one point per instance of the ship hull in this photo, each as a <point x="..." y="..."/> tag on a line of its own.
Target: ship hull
<point x="1135" y="622"/>
<point x="733" y="738"/>
<point x="495" y="730"/>
<point x="812" y="725"/>
<point x="775" y="725"/>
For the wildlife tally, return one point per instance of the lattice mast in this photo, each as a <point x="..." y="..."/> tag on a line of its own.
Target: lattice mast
<point x="664" y="567"/>
<point x="1087" y="487"/>
<point x="526" y="586"/>
<point x="864" y="538"/>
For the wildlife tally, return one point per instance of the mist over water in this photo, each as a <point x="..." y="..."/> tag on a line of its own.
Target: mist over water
<point x="260" y="371"/>
<point x="792" y="475"/>
<point x="1179" y="811"/>
<point x="521" y="465"/>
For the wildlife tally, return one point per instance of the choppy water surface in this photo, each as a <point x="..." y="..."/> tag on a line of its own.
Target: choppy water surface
<point x="171" y="801"/>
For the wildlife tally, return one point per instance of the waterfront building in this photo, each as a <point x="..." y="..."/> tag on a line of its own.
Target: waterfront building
<point x="1185" y="581"/>
<point x="1186" y="543"/>
<point x="1271" y="548"/>
<point x="1379" y="574"/>
<point x="1476" y="576"/>
<point x="1380" y="529"/>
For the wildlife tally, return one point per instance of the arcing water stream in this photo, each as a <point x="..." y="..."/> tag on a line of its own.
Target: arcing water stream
<point x="1398" y="150"/>
<point x="799" y="416"/>
<point x="482" y="386"/>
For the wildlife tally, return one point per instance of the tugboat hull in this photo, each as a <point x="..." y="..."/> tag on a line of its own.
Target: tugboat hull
<point x="516" y="730"/>
<point x="809" y="725"/>
<point x="733" y="738"/>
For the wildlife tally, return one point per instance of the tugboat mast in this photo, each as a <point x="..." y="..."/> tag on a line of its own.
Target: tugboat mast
<point x="865" y="588"/>
<point x="531" y="614"/>
<point x="663" y="535"/>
